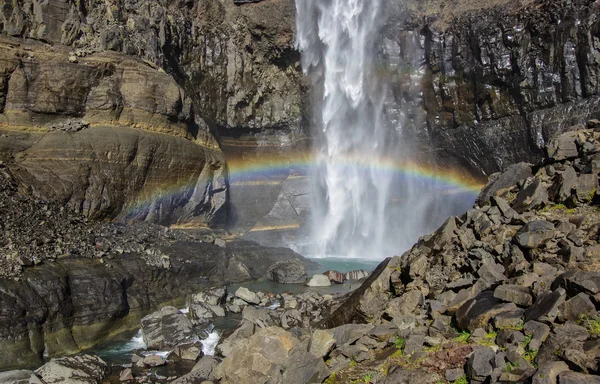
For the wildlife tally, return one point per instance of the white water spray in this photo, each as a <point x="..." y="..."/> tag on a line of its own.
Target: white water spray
<point x="359" y="210"/>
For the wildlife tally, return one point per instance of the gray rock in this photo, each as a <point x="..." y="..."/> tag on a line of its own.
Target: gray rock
<point x="81" y="369"/>
<point x="477" y="312"/>
<point x="201" y="312"/>
<point x="546" y="306"/>
<point x="152" y="361"/>
<point x="564" y="185"/>
<point x="587" y="186"/>
<point x="19" y="377"/>
<point x="190" y="351"/>
<point x="511" y="177"/>
<point x="510" y="319"/>
<point x="569" y="377"/>
<point x="203" y="370"/>
<point x="576" y="307"/>
<point x="166" y="329"/>
<point x="215" y="296"/>
<point x="547" y="373"/>
<point x="509" y="337"/>
<point x="247" y="295"/>
<point x="539" y="332"/>
<point x="515" y="294"/>
<point x="578" y="281"/>
<point x="534" y="233"/>
<point x="406" y="304"/>
<point x="288" y="272"/>
<point x="321" y="343"/>
<point x="303" y="367"/>
<point x="562" y="147"/>
<point x="454" y="374"/>
<point x="349" y="333"/>
<point x="479" y="364"/>
<point x="230" y="343"/>
<point x="319" y="281"/>
<point x="532" y="197"/>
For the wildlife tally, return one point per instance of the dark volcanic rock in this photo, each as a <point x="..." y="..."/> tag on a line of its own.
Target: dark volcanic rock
<point x="477" y="312"/>
<point x="534" y="234"/>
<point x="288" y="272"/>
<point x="166" y="329"/>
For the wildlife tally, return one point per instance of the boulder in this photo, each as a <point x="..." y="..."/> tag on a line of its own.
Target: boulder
<point x="201" y="312"/>
<point x="335" y="277"/>
<point x="190" y="351"/>
<point x="126" y="375"/>
<point x="152" y="361"/>
<point x="247" y="295"/>
<point x="538" y="332"/>
<point x="81" y="369"/>
<point x="203" y="370"/>
<point x="288" y="272"/>
<point x="579" y="281"/>
<point x="564" y="185"/>
<point x="230" y="343"/>
<point x="562" y="147"/>
<point x="303" y="367"/>
<point x="319" y="281"/>
<point x="166" y="329"/>
<point x="534" y="234"/>
<point x="587" y="185"/>
<point x="577" y="307"/>
<point x="356" y="275"/>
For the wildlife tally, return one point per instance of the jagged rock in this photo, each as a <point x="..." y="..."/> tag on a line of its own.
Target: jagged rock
<point x="532" y="197"/>
<point x="534" y="234"/>
<point x="509" y="337"/>
<point x="479" y="365"/>
<point x="587" y="186"/>
<point x="288" y="272"/>
<point x="564" y="185"/>
<point x="515" y="294"/>
<point x="215" y="296"/>
<point x="577" y="307"/>
<point x="510" y="319"/>
<point x="247" y="295"/>
<point x="201" y="312"/>
<point x="190" y="351"/>
<point x="539" y="332"/>
<point x="563" y="147"/>
<point x="81" y="369"/>
<point x="477" y="312"/>
<point x="230" y="343"/>
<point x="546" y="306"/>
<point x="319" y="281"/>
<point x="259" y="358"/>
<point x="335" y="276"/>
<point x="579" y="281"/>
<point x="321" y="343"/>
<point x="454" y="374"/>
<point x="166" y="329"/>
<point x="569" y="377"/>
<point x="203" y="370"/>
<point x="512" y="176"/>
<point x="405" y="305"/>
<point x="356" y="275"/>
<point x="152" y="361"/>
<point x="303" y="367"/>
<point x="548" y="372"/>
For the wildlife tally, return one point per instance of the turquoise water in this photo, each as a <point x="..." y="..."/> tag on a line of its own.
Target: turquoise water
<point x="345" y="265"/>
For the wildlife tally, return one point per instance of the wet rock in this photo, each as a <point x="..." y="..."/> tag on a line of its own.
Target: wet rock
<point x="535" y="233"/>
<point x="356" y="275"/>
<point x="515" y="294"/>
<point x="19" y="377"/>
<point x="215" y="296"/>
<point x="288" y="272"/>
<point x="335" y="277"/>
<point x="319" y="281"/>
<point x="166" y="329"/>
<point x="81" y="369"/>
<point x="247" y="295"/>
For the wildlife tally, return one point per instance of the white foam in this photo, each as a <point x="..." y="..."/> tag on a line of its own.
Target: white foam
<point x="210" y="343"/>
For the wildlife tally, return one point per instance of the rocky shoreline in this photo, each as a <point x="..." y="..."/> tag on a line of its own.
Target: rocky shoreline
<point x="507" y="292"/>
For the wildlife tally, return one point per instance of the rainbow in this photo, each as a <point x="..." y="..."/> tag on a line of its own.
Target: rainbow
<point x="244" y="171"/>
<point x="274" y="170"/>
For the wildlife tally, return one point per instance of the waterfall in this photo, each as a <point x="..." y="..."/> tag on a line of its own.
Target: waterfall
<point x="360" y="208"/>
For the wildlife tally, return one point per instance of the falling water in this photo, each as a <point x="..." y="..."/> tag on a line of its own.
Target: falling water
<point x="353" y="208"/>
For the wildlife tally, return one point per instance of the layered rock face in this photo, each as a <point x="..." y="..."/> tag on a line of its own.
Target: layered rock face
<point x="498" y="78"/>
<point x="107" y="135"/>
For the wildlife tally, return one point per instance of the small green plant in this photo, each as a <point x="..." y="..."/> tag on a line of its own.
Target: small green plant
<point x="509" y="367"/>
<point x="591" y="324"/>
<point x="526" y="341"/>
<point x="332" y="379"/>
<point x="517" y="327"/>
<point x="531" y="356"/>
<point x="367" y="378"/>
<point x="463" y="337"/>
<point x="353" y="363"/>
<point x="462" y="380"/>
<point x="399" y="343"/>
